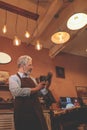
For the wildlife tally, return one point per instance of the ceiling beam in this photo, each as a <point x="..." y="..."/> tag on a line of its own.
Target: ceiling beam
<point x="18" y="10"/>
<point x="53" y="9"/>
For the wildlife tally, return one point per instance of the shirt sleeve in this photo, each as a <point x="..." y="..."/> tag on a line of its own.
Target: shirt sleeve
<point x="15" y="87"/>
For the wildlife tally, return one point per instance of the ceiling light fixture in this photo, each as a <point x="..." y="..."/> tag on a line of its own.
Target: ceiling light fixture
<point x="4" y="58"/>
<point x="27" y="34"/>
<point x="4" y="29"/>
<point x="38" y="45"/>
<point x="16" y="40"/>
<point x="60" y="37"/>
<point x="77" y="21"/>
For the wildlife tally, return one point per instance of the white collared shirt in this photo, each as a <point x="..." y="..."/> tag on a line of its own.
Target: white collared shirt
<point x="15" y="86"/>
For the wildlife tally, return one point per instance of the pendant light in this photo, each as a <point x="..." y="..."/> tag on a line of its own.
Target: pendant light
<point x="16" y="40"/>
<point x="27" y="34"/>
<point x="38" y="45"/>
<point x="4" y="29"/>
<point x="4" y="58"/>
<point x="60" y="37"/>
<point x="77" y="21"/>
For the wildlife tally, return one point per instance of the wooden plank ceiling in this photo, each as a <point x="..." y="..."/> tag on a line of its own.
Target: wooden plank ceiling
<point x="52" y="17"/>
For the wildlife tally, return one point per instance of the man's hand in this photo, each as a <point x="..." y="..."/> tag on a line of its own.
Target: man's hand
<point x="38" y="87"/>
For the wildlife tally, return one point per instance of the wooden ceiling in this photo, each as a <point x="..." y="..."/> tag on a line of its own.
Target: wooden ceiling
<point x="17" y="10"/>
<point x="52" y="17"/>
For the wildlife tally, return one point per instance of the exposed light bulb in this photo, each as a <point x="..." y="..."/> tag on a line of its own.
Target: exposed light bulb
<point x="38" y="46"/>
<point x="60" y="37"/>
<point x="27" y="34"/>
<point x="16" y="41"/>
<point x="4" y="29"/>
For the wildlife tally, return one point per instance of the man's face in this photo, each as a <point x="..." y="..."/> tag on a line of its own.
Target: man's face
<point x="28" y="68"/>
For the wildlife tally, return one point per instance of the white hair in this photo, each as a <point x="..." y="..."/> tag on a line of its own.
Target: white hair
<point x="23" y="60"/>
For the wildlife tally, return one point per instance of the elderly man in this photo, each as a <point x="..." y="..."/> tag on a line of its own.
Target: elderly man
<point x="28" y="114"/>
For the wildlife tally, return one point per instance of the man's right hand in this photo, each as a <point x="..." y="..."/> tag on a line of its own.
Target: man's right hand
<point x="38" y="87"/>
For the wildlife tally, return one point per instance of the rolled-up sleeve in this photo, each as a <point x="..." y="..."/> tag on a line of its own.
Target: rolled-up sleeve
<point x="15" y="87"/>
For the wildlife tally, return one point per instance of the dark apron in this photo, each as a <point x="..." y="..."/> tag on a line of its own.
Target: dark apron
<point x="28" y="114"/>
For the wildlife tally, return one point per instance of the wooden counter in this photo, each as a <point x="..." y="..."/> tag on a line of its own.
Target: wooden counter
<point x="65" y="120"/>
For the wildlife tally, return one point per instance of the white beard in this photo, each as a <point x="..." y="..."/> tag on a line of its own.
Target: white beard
<point x="28" y="72"/>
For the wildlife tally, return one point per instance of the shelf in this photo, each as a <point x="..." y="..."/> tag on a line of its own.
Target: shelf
<point x="6" y="105"/>
<point x="4" y="87"/>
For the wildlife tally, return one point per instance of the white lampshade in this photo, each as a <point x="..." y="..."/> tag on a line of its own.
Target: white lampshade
<point x="60" y="37"/>
<point x="4" y="58"/>
<point x="77" y="21"/>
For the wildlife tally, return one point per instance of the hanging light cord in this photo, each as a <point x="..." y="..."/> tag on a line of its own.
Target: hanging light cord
<point x="16" y="24"/>
<point x="37" y="6"/>
<point x="37" y="13"/>
<point x="27" y="25"/>
<point x="6" y="17"/>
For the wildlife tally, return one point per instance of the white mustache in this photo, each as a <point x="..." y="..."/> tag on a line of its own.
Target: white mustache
<point x="29" y="72"/>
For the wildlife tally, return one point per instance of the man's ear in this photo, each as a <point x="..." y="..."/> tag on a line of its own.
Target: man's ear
<point x="23" y="66"/>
